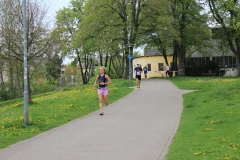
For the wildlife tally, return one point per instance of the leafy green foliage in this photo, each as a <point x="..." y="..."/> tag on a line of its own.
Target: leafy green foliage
<point x="53" y="68"/>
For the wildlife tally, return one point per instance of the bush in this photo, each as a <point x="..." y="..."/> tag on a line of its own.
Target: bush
<point x="5" y="95"/>
<point x="42" y="88"/>
<point x="196" y="70"/>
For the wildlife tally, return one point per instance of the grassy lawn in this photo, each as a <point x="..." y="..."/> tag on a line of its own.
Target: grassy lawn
<point x="52" y="109"/>
<point x="210" y="124"/>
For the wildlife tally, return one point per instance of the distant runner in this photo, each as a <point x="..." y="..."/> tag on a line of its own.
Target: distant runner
<point x="137" y="72"/>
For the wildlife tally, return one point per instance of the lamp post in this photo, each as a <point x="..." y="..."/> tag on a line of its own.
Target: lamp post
<point x="129" y="63"/>
<point x="25" y="65"/>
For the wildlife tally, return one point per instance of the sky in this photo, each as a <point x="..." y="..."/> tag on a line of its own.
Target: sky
<point x="58" y="4"/>
<point x="55" y="6"/>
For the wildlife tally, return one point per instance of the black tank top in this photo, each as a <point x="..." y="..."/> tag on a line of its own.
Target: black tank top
<point x="102" y="79"/>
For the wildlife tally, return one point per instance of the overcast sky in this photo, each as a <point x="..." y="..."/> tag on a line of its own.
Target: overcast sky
<point x="58" y="4"/>
<point x="55" y="5"/>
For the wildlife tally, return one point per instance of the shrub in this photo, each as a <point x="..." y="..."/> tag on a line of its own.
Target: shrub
<point x="196" y="70"/>
<point x="42" y="88"/>
<point x="5" y="95"/>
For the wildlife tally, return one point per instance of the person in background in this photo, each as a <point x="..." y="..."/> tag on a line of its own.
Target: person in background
<point x="145" y="70"/>
<point x="103" y="80"/>
<point x="167" y="70"/>
<point x="137" y="72"/>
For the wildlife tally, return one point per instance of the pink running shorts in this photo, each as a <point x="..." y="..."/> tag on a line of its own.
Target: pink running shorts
<point x="104" y="91"/>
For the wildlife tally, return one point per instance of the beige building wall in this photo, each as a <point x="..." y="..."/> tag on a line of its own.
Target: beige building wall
<point x="153" y="61"/>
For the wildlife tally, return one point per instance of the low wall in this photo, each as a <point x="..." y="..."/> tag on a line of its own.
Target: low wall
<point x="231" y="71"/>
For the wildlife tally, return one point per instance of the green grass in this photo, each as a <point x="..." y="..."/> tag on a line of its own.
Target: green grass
<point x="210" y="124"/>
<point x="209" y="127"/>
<point x="53" y="109"/>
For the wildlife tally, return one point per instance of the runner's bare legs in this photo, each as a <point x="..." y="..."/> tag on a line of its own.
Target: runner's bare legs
<point x="100" y="97"/>
<point x="105" y="97"/>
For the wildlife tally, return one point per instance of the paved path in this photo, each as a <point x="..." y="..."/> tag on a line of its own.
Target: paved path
<point x="140" y="126"/>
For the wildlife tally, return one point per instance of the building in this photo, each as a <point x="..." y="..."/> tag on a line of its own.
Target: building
<point x="225" y="61"/>
<point x="155" y="63"/>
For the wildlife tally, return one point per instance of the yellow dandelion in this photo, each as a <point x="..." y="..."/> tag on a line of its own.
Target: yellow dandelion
<point x="2" y="127"/>
<point x="208" y="129"/>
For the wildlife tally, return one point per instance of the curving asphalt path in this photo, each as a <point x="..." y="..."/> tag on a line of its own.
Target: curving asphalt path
<point x="140" y="126"/>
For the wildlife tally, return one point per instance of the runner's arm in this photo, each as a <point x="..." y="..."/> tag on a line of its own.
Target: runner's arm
<point x="109" y="81"/>
<point x="95" y="82"/>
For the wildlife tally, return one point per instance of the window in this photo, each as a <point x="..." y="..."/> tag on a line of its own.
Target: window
<point x="149" y="67"/>
<point x="221" y="62"/>
<point x="234" y="62"/>
<point x="213" y="59"/>
<point x="207" y="59"/>
<point x="188" y="63"/>
<point x="203" y="60"/>
<point x="160" y="67"/>
<point x="226" y="61"/>
<point x="198" y="61"/>
<point x="230" y="62"/>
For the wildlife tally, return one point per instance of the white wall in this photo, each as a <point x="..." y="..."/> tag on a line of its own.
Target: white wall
<point x="231" y="72"/>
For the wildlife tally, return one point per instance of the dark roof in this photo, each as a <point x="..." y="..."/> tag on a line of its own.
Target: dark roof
<point x="153" y="52"/>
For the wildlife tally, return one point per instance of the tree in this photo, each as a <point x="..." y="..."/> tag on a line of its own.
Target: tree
<point x="53" y="69"/>
<point x="192" y="29"/>
<point x="113" y="21"/>
<point x="67" y="26"/>
<point x="227" y="14"/>
<point x="158" y="29"/>
<point x="39" y="39"/>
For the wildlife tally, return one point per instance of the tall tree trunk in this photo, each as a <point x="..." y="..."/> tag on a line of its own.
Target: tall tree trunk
<point x="106" y="60"/>
<point x="101" y="58"/>
<point x="11" y="79"/>
<point x="174" y="67"/>
<point x="180" y="53"/>
<point x="2" y="81"/>
<point x="80" y="65"/>
<point x="181" y="65"/>
<point x="109" y="67"/>
<point x="1" y="76"/>
<point x="126" y="45"/>
<point x="164" y="52"/>
<point x="18" y="83"/>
